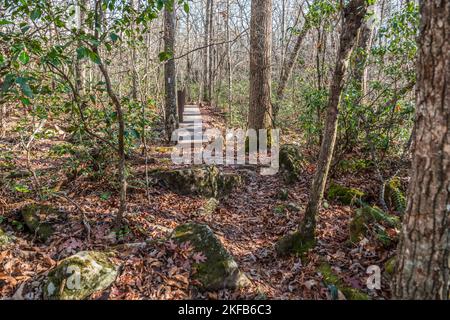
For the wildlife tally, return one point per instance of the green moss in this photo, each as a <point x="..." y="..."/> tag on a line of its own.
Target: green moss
<point x="209" y="207"/>
<point x="344" y="195"/>
<point x="79" y="276"/>
<point x="33" y="216"/>
<point x="4" y="238"/>
<point x="291" y="162"/>
<point x="294" y="243"/>
<point x="365" y="217"/>
<point x="354" y="165"/>
<point x="220" y="269"/>
<point x="389" y="265"/>
<point x="331" y="278"/>
<point x="203" y="181"/>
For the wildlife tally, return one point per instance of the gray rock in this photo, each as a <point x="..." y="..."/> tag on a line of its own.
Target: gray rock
<point x="219" y="270"/>
<point x="80" y="275"/>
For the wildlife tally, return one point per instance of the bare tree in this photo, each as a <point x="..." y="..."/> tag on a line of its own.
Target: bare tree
<point x="353" y="15"/>
<point x="422" y="270"/>
<point x="170" y="108"/>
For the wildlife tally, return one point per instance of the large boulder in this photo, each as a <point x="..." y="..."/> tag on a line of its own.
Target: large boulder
<point x="35" y="217"/>
<point x="219" y="270"/>
<point x="205" y="181"/>
<point x="80" y="275"/>
<point x="345" y="195"/>
<point x="291" y="162"/>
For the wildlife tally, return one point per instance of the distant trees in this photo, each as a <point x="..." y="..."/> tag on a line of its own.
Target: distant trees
<point x="422" y="270"/>
<point x="260" y="106"/>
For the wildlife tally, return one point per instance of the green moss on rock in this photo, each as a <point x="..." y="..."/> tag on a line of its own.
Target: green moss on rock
<point x="332" y="279"/>
<point x="79" y="276"/>
<point x="291" y="162"/>
<point x="203" y="181"/>
<point x="345" y="195"/>
<point x="219" y="270"/>
<point x="4" y="238"/>
<point x="34" y="216"/>
<point x="294" y="243"/>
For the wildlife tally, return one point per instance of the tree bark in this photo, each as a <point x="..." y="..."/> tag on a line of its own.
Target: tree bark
<point x="207" y="53"/>
<point x="422" y="270"/>
<point x="260" y="109"/>
<point x="170" y="109"/>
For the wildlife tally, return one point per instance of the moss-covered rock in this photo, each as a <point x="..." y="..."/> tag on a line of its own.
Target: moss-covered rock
<point x="345" y="195"/>
<point x="203" y="181"/>
<point x="219" y="270"/>
<point x="35" y="216"/>
<point x="330" y="278"/>
<point x="394" y="196"/>
<point x="366" y="216"/>
<point x="294" y="243"/>
<point x="209" y="207"/>
<point x="291" y="162"/>
<point x="4" y="238"/>
<point x="79" y="276"/>
<point x="226" y="182"/>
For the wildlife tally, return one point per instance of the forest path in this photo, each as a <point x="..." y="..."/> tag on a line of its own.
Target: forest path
<point x="193" y="124"/>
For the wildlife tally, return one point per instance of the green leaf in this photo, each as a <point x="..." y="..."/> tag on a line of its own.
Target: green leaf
<point x="81" y="53"/>
<point x="114" y="37"/>
<point x="94" y="57"/>
<point x="4" y="21"/>
<point x="186" y="7"/>
<point x="163" y="56"/>
<point x="21" y="188"/>
<point x="36" y="14"/>
<point x="24" y="57"/>
<point x="26" y="90"/>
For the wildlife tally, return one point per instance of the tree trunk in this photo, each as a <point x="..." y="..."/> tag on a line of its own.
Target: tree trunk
<point x="304" y="239"/>
<point x="78" y="68"/>
<point x="422" y="270"/>
<point x="170" y="108"/>
<point x="206" y="53"/>
<point x="260" y="109"/>
<point x="286" y="71"/>
<point x="229" y="70"/>
<point x="211" y="52"/>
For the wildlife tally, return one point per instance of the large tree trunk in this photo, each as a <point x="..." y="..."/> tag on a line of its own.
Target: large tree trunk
<point x="260" y="109"/>
<point x="353" y="15"/>
<point x="170" y="108"/>
<point x="422" y="270"/>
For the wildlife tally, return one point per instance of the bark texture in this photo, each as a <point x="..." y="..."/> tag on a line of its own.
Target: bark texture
<point x="422" y="270"/>
<point x="260" y="109"/>
<point x="170" y="109"/>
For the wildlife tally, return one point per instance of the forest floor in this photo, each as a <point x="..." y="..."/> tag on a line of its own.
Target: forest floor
<point x="248" y="222"/>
